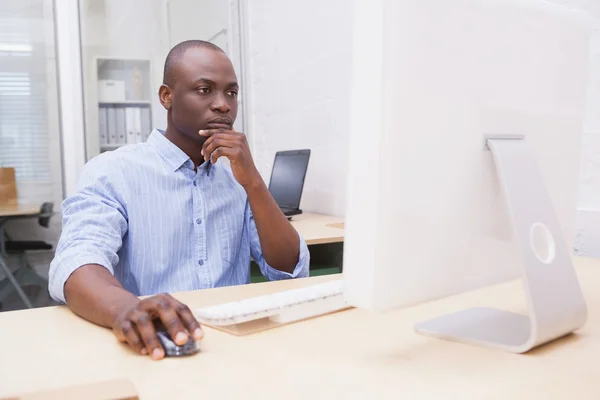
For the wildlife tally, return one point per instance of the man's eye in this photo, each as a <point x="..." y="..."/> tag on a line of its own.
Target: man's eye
<point x="232" y="93"/>
<point x="204" y="90"/>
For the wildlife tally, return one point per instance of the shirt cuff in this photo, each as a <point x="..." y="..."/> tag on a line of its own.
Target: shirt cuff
<point x="300" y="271"/>
<point x="66" y="263"/>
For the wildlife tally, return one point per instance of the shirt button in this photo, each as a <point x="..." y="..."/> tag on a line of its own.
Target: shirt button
<point x="201" y="262"/>
<point x="195" y="183"/>
<point x="198" y="221"/>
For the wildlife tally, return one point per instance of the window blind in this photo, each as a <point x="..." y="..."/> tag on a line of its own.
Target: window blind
<point x="24" y="132"/>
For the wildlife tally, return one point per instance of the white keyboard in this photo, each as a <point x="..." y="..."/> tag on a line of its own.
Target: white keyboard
<point x="291" y="305"/>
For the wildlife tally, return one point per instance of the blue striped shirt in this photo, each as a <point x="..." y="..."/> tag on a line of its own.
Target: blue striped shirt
<point x="158" y="226"/>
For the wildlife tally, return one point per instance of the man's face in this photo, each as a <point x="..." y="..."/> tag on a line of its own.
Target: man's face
<point x="204" y="92"/>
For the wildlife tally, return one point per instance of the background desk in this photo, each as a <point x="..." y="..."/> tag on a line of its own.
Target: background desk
<point x="18" y="210"/>
<point x="319" y="229"/>
<point x="8" y="212"/>
<point x="348" y="355"/>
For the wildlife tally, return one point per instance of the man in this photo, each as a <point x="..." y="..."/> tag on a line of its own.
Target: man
<point x="164" y="216"/>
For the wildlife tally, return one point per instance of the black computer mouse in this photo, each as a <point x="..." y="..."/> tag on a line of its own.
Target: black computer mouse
<point x="171" y="348"/>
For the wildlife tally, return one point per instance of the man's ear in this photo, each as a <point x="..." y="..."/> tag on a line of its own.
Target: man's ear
<point x="164" y="94"/>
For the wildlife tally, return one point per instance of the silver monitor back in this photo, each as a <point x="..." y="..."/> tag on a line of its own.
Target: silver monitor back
<point x="431" y="211"/>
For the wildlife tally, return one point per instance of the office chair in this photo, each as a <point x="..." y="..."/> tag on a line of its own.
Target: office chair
<point x="25" y="275"/>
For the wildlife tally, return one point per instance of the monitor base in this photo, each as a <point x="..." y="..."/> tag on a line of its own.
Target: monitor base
<point x="556" y="305"/>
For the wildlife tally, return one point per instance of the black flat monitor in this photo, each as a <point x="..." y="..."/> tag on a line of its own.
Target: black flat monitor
<point x="287" y="179"/>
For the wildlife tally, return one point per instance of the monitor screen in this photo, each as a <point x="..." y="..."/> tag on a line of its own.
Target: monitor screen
<point x="287" y="177"/>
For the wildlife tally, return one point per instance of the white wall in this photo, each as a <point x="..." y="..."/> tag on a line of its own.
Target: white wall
<point x="587" y="239"/>
<point x="199" y="19"/>
<point x="299" y="63"/>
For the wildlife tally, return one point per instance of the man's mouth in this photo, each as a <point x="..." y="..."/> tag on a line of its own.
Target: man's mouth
<point x="219" y="123"/>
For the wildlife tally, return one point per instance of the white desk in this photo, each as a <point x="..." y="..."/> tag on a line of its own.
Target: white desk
<point x="349" y="355"/>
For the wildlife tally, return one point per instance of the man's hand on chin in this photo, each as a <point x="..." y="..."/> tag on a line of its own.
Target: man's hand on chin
<point x="234" y="146"/>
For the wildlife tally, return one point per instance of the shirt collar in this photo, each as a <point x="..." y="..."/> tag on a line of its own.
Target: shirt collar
<point x="172" y="154"/>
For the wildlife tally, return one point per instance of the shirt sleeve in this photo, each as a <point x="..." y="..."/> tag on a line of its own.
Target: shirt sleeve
<point x="94" y="223"/>
<point x="272" y="274"/>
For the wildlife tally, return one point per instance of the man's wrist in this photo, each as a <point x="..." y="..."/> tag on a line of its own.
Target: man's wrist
<point x="255" y="184"/>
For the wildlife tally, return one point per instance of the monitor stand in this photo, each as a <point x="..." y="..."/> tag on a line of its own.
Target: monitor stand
<point x="556" y="305"/>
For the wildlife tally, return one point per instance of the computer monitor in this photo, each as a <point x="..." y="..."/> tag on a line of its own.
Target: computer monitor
<point x="434" y="208"/>
<point x="287" y="179"/>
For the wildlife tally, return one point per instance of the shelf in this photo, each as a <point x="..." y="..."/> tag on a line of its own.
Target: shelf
<point x="124" y="102"/>
<point x="121" y="103"/>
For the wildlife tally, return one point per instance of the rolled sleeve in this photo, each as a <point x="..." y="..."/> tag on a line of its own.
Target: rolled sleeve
<point x="66" y="262"/>
<point x="300" y="271"/>
<point x="93" y="227"/>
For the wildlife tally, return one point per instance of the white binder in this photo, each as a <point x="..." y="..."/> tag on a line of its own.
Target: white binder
<point x="130" y="125"/>
<point x="138" y="124"/>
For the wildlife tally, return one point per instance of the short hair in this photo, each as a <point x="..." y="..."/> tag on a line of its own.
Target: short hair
<point x="176" y="54"/>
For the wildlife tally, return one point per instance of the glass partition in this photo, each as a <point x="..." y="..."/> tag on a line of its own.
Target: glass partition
<point x="29" y="111"/>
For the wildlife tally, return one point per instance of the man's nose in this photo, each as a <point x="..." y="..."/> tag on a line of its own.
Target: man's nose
<point x="220" y="104"/>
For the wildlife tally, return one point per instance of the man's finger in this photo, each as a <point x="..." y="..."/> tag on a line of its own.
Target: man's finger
<point x="130" y="335"/>
<point x="120" y="336"/>
<point x="210" y="132"/>
<point x="220" y="135"/>
<point x="228" y="152"/>
<point x="144" y="324"/>
<point x="171" y="321"/>
<point x="209" y="140"/>
<point x="188" y="319"/>
<point x="214" y="144"/>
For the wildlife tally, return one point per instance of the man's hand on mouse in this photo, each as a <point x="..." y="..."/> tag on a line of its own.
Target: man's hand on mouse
<point x="234" y="146"/>
<point x="135" y="325"/>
